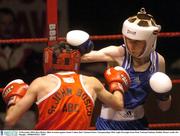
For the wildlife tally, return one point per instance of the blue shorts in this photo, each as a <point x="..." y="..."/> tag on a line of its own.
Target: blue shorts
<point x="104" y="124"/>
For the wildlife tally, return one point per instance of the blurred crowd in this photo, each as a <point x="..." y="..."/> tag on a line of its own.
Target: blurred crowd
<point x="17" y="60"/>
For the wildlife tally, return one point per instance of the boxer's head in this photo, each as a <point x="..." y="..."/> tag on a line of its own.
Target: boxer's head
<point x="61" y="57"/>
<point x="141" y="27"/>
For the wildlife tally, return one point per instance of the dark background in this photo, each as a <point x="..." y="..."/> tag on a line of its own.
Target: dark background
<point x="105" y="16"/>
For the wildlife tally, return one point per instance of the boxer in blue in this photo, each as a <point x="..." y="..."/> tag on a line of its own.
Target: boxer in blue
<point x="138" y="56"/>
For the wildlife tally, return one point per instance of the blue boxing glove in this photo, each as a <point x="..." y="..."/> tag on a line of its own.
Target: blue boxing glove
<point x="161" y="84"/>
<point x="86" y="47"/>
<point x="80" y="40"/>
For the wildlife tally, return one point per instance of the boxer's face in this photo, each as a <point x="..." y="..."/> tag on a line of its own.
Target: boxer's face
<point x="135" y="47"/>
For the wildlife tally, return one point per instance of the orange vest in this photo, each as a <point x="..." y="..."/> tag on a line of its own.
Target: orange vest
<point x="69" y="107"/>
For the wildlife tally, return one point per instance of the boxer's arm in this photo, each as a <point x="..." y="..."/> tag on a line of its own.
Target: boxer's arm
<point x="115" y="100"/>
<point x="161" y="63"/>
<point x="117" y="78"/>
<point x="15" y="112"/>
<point x="163" y="105"/>
<point x="107" y="54"/>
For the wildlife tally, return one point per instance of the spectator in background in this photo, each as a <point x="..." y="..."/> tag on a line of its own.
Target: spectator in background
<point x="16" y="59"/>
<point x="7" y="23"/>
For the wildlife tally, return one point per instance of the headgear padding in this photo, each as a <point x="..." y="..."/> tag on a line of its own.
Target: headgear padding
<point x="61" y="57"/>
<point x="142" y="27"/>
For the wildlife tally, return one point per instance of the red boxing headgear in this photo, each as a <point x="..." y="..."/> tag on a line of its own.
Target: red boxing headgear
<point x="61" y="57"/>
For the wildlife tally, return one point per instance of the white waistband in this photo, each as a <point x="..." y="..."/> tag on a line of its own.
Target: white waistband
<point x="122" y="115"/>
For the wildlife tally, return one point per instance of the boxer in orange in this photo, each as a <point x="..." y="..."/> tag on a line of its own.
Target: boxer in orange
<point x="65" y="99"/>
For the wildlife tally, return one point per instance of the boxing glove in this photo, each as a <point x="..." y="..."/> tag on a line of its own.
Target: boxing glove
<point x="80" y="39"/>
<point x="161" y="84"/>
<point x="117" y="78"/>
<point x="14" y="91"/>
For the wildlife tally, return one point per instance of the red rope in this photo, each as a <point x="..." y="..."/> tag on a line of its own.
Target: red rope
<point x="164" y="125"/>
<point x="29" y="40"/>
<point x="94" y="37"/>
<point x="155" y="126"/>
<point x="106" y="37"/>
<point x="176" y="81"/>
<point x="169" y="34"/>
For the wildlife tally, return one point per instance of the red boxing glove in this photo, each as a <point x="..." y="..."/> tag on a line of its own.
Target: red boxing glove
<point x="14" y="91"/>
<point x="117" y="78"/>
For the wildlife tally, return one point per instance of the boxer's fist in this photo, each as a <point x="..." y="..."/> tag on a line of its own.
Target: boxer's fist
<point x="161" y="84"/>
<point x="14" y="91"/>
<point x="80" y="40"/>
<point x="117" y="78"/>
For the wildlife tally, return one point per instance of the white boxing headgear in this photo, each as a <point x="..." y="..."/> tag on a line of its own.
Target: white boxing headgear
<point x="142" y="27"/>
<point x="76" y="37"/>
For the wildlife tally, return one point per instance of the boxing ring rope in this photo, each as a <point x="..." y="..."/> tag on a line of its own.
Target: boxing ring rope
<point x="157" y="126"/>
<point x="93" y="37"/>
<point x="164" y="125"/>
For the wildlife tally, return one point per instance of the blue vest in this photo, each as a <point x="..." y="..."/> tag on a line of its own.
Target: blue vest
<point x="140" y="88"/>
